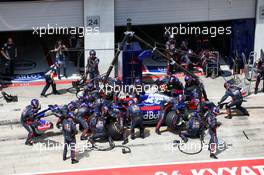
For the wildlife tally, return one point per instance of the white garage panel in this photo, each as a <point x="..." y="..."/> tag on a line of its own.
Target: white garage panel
<point x="28" y="14"/>
<point x="231" y="9"/>
<point x="175" y="11"/>
<point x="160" y="11"/>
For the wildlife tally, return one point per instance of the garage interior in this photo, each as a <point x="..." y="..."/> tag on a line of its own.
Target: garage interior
<point x="241" y="38"/>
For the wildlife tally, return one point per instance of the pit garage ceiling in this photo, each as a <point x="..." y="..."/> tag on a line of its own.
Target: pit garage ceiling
<point x="24" y="15"/>
<point x="176" y="11"/>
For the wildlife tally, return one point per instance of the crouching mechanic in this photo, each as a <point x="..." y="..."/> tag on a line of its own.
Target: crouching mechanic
<point x="98" y="127"/>
<point x="237" y="100"/>
<point x="117" y="111"/>
<point x="212" y="125"/>
<point x="194" y="128"/>
<point x="28" y="119"/>
<point x="136" y="116"/>
<point x="82" y="113"/>
<point x="194" y="83"/>
<point x="69" y="132"/>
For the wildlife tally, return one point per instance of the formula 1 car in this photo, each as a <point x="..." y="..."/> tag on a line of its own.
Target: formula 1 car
<point x="150" y="106"/>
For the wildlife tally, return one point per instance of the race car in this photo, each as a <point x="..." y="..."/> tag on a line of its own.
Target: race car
<point x="150" y="106"/>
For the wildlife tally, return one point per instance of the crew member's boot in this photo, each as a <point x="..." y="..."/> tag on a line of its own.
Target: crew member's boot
<point x="92" y="142"/>
<point x="228" y="111"/>
<point x="29" y="140"/>
<point x="111" y="142"/>
<point x="185" y="140"/>
<point x="132" y="134"/>
<point x="125" y="139"/>
<point x="213" y="156"/>
<point x="157" y="130"/>
<point x="84" y="135"/>
<point x="256" y="91"/>
<point x="73" y="161"/>
<point x="142" y="134"/>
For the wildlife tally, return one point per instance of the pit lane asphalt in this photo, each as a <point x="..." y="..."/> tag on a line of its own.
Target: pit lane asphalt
<point x="15" y="157"/>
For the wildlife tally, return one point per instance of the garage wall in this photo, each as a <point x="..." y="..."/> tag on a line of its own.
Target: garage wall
<point x="259" y="32"/>
<point x="102" y="42"/>
<point x="231" y="9"/>
<point x="175" y="11"/>
<point x="24" y="15"/>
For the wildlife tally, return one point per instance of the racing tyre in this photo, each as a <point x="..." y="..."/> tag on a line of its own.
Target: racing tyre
<point x="114" y="131"/>
<point x="169" y="119"/>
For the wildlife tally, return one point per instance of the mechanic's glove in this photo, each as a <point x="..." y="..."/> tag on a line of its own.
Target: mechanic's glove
<point x="172" y="62"/>
<point x="35" y="124"/>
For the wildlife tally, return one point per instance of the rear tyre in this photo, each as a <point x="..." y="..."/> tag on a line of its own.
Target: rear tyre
<point x="169" y="119"/>
<point x="114" y="130"/>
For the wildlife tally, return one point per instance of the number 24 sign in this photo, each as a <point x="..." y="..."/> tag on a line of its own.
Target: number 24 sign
<point x="93" y="21"/>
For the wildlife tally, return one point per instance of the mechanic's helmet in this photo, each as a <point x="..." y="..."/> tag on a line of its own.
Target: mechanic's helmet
<point x="187" y="78"/>
<point x="171" y="37"/>
<point x="216" y="110"/>
<point x="227" y="85"/>
<point x="195" y="114"/>
<point x="137" y="81"/>
<point x="181" y="98"/>
<point x="173" y="79"/>
<point x="88" y="87"/>
<point x="104" y="109"/>
<point x="130" y="102"/>
<point x="83" y="104"/>
<point x="35" y="103"/>
<point x="89" y="97"/>
<point x="71" y="106"/>
<point x="70" y="115"/>
<point x="86" y="98"/>
<point x="195" y="94"/>
<point x="94" y="95"/>
<point x="92" y="53"/>
<point x="90" y="104"/>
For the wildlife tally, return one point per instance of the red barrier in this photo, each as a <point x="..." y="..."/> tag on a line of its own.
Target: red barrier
<point x="234" y="167"/>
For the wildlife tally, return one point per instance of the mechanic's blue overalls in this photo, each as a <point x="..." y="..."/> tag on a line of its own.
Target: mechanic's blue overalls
<point x="194" y="128"/>
<point x="69" y="131"/>
<point x="212" y="124"/>
<point x="83" y="112"/>
<point x="237" y="100"/>
<point x="93" y="70"/>
<point x="61" y="60"/>
<point x="27" y="120"/>
<point x="164" y="106"/>
<point x="98" y="125"/>
<point x="136" y="115"/>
